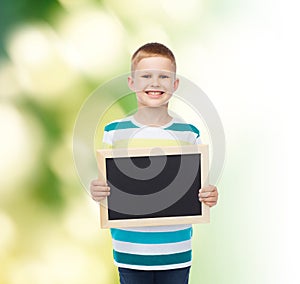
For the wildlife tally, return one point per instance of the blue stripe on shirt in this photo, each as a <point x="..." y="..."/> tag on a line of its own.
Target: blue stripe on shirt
<point x="149" y="260"/>
<point x="120" y="125"/>
<point x="183" y="127"/>
<point x="151" y="237"/>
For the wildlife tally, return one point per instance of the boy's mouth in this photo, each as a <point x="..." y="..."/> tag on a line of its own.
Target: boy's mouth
<point x="154" y="93"/>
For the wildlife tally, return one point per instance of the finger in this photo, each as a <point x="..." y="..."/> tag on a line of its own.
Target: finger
<point x="99" y="197"/>
<point x="209" y="199"/>
<point x="208" y="194"/>
<point x="97" y="182"/>
<point x="100" y="189"/>
<point x="101" y="193"/>
<point x="209" y="188"/>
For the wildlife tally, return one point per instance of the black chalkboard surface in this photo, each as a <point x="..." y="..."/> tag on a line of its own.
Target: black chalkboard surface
<point x="153" y="186"/>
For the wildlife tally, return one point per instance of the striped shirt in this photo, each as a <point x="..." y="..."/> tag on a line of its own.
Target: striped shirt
<point x="151" y="247"/>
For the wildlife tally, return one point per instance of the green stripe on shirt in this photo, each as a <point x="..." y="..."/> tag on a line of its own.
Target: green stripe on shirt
<point x="167" y="259"/>
<point x="151" y="237"/>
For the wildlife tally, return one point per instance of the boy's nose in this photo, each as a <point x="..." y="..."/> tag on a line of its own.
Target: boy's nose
<point x="155" y="81"/>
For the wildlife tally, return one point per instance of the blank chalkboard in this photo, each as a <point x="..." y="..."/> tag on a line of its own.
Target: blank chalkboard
<point x="153" y="186"/>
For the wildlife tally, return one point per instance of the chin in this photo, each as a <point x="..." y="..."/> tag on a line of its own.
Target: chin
<point x="156" y="105"/>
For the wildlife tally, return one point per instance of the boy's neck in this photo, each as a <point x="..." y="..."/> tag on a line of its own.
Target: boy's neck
<point x="153" y="116"/>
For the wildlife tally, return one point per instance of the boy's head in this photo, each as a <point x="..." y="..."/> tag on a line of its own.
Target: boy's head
<point x="153" y="75"/>
<point x="153" y="49"/>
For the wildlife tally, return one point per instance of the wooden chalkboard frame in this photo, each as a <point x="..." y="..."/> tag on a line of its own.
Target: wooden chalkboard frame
<point x="103" y="154"/>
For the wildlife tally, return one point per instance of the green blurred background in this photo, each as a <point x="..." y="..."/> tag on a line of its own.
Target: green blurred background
<point x="55" y="53"/>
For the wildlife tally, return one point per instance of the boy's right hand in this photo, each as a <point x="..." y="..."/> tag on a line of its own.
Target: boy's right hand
<point x="99" y="190"/>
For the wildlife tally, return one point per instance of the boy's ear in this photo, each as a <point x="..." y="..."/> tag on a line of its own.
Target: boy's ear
<point x="130" y="83"/>
<point x="176" y="84"/>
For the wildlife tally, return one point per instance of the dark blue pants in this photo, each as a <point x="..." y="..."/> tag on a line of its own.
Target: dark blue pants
<point x="172" y="276"/>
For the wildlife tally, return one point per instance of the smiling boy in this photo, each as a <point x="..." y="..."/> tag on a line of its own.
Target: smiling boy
<point x="161" y="254"/>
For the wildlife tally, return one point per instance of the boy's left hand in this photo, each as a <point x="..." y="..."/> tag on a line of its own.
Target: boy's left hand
<point x="208" y="195"/>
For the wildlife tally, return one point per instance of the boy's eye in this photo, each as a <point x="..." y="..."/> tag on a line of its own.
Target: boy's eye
<point x="147" y="76"/>
<point x="164" y="76"/>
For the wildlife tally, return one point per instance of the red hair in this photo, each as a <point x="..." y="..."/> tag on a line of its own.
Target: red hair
<point x="151" y="50"/>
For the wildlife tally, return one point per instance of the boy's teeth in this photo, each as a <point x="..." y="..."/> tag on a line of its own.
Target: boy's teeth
<point x="154" y="93"/>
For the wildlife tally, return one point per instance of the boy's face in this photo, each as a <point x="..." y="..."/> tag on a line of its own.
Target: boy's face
<point x="154" y="81"/>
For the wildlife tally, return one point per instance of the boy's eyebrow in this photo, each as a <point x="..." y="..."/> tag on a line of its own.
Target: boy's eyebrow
<point x="148" y="71"/>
